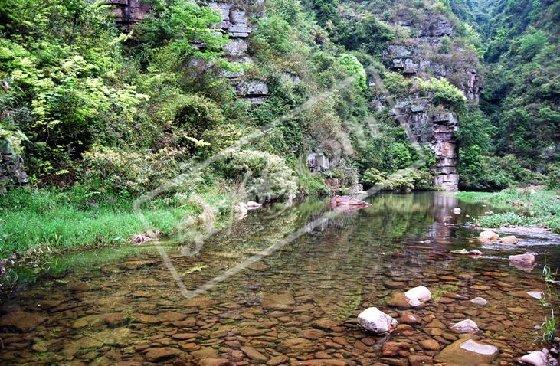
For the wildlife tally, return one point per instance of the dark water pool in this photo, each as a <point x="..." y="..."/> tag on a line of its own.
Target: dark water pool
<point x="297" y="305"/>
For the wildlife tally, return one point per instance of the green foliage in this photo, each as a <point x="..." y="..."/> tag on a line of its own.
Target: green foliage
<point x="518" y="207"/>
<point x="553" y="177"/>
<point x="265" y="176"/>
<point x="58" y="219"/>
<point x="444" y="93"/>
<point x="354" y="68"/>
<point x="121" y="171"/>
<point x="365" y="33"/>
<point x="405" y="180"/>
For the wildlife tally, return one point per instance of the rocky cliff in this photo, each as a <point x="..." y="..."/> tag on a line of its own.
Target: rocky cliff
<point x="432" y="49"/>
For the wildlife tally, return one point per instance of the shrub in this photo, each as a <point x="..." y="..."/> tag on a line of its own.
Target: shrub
<point x="443" y="92"/>
<point x="266" y="176"/>
<point x="553" y="177"/>
<point x="119" y="171"/>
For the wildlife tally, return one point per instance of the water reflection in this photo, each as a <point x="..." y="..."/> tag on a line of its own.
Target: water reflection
<point x="297" y="304"/>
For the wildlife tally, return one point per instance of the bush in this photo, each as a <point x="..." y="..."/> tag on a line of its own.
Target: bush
<point x="405" y="180"/>
<point x="266" y="176"/>
<point x="119" y="171"/>
<point x="443" y="92"/>
<point x="553" y="177"/>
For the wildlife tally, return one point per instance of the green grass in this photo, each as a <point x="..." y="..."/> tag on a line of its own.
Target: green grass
<point x="518" y="207"/>
<point x="59" y="220"/>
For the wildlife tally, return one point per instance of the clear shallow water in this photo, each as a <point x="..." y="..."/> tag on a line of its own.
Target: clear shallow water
<point x="298" y="304"/>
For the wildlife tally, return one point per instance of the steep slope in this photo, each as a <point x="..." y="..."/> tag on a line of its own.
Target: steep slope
<point x="336" y="86"/>
<point x="522" y="93"/>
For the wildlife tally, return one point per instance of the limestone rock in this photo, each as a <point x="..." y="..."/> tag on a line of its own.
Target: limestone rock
<point x="252" y="205"/>
<point x="488" y="236"/>
<point x="535" y="294"/>
<point x="467" y="352"/>
<point x="523" y="260"/>
<point x="479" y="301"/>
<point x="376" y="321"/>
<point x="418" y="295"/>
<point x="536" y="358"/>
<point x="465" y="326"/>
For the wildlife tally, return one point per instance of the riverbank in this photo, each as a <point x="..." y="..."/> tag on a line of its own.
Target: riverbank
<point x="52" y="230"/>
<point x="517" y="207"/>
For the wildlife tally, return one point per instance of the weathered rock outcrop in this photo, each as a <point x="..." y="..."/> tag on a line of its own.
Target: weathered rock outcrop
<point x="430" y="52"/>
<point x="234" y="22"/>
<point x="128" y="12"/>
<point x="12" y="171"/>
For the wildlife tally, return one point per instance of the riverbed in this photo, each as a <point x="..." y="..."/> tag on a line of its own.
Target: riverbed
<point x="285" y="286"/>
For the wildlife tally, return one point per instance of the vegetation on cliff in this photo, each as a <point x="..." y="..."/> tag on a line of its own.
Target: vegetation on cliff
<point x="113" y="112"/>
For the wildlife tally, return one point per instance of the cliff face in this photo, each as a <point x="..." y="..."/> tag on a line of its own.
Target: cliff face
<point x="432" y="49"/>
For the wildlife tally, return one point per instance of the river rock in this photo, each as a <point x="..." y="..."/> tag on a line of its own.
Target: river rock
<point x="509" y="240"/>
<point x="535" y="294"/>
<point x="281" y="301"/>
<point x="376" y="321"/>
<point x="523" y="260"/>
<point x="253" y="354"/>
<point x="161" y="354"/>
<point x="480" y="301"/>
<point x="536" y="358"/>
<point x="408" y="318"/>
<point x="399" y="300"/>
<point x="214" y="362"/>
<point x="22" y="320"/>
<point x="418" y="295"/>
<point x="467" y="352"/>
<point x="488" y="236"/>
<point x="465" y="326"/>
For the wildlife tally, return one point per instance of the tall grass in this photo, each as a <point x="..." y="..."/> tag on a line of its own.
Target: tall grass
<point x="518" y="207"/>
<point x="63" y="219"/>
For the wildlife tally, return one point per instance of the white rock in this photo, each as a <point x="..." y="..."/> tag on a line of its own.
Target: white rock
<point x="252" y="205"/>
<point x="457" y="211"/>
<point x="535" y="294"/>
<point x="479" y="301"/>
<point x="488" y="236"/>
<point x="536" y="358"/>
<point x="465" y="326"/>
<point x="418" y="294"/>
<point x="481" y="349"/>
<point x="374" y="320"/>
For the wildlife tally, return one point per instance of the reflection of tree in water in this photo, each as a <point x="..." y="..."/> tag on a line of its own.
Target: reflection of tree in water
<point x="330" y="264"/>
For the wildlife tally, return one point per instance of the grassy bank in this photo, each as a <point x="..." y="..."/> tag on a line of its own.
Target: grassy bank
<point x="61" y="220"/>
<point x="520" y="207"/>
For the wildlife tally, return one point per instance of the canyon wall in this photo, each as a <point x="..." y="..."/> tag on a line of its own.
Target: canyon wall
<point x="433" y="51"/>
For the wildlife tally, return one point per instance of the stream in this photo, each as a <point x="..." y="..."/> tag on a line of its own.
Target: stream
<point x="298" y="304"/>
